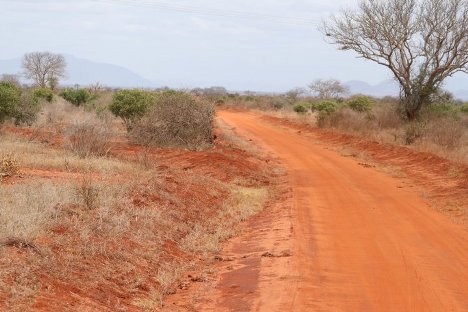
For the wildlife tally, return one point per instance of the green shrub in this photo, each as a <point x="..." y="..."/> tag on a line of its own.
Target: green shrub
<point x="441" y="110"/>
<point x="77" y="97"/>
<point x="27" y="109"/>
<point x="464" y="108"/>
<point x="178" y="120"/>
<point x="324" y="107"/>
<point x="44" y="93"/>
<point x="361" y="104"/>
<point x="10" y="96"/>
<point x="131" y="105"/>
<point x="301" y="108"/>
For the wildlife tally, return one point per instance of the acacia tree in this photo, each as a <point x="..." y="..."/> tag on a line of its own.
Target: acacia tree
<point x="44" y="68"/>
<point x="422" y="42"/>
<point x="328" y="89"/>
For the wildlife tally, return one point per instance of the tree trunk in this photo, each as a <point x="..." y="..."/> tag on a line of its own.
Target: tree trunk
<point x="413" y="104"/>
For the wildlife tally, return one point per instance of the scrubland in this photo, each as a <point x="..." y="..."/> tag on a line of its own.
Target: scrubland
<point x="95" y="215"/>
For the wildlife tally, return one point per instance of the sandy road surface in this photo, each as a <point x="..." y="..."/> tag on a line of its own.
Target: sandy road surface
<point x="360" y="242"/>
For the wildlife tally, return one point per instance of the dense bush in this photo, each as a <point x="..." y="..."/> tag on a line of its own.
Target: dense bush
<point x="131" y="105"/>
<point x="325" y="107"/>
<point x="361" y="104"/>
<point x="10" y="96"/>
<point x="176" y="119"/>
<point x="27" y="109"/>
<point x="301" y="108"/>
<point x="324" y="110"/>
<point x="44" y="93"/>
<point x="464" y="108"/>
<point x="77" y="97"/>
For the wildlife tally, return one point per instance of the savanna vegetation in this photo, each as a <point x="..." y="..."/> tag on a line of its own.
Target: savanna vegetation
<point x="115" y="193"/>
<point x="441" y="126"/>
<point x="90" y="199"/>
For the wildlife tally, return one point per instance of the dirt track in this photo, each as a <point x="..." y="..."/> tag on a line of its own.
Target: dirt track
<point x="359" y="240"/>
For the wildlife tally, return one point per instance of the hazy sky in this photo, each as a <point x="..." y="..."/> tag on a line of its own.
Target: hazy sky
<point x="269" y="45"/>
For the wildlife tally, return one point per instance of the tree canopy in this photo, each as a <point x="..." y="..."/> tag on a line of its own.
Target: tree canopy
<point x="422" y="42"/>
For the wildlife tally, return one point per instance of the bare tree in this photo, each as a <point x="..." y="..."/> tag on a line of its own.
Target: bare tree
<point x="294" y="94"/>
<point x="44" y="68"/>
<point x="96" y="88"/>
<point x="422" y="42"/>
<point x="11" y="78"/>
<point x="328" y="89"/>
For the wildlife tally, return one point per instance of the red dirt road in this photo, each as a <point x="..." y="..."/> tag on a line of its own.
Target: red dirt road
<point x="359" y="241"/>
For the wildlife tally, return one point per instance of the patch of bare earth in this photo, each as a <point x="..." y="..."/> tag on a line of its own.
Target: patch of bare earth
<point x="444" y="183"/>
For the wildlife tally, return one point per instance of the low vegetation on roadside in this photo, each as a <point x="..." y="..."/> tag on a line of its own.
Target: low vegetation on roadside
<point x="87" y="200"/>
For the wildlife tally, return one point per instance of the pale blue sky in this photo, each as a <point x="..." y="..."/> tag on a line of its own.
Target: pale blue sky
<point x="260" y="45"/>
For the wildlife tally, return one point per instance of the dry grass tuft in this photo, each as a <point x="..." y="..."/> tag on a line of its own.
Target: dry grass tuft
<point x="9" y="165"/>
<point x="87" y="192"/>
<point x="89" y="139"/>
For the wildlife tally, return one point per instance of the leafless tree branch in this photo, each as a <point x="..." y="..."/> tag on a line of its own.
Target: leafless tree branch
<point x="422" y="42"/>
<point x="44" y="68"/>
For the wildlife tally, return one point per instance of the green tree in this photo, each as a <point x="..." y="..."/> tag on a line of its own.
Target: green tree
<point x="27" y="109"/>
<point x="9" y="98"/>
<point x="130" y="105"/>
<point x="360" y="104"/>
<point x="77" y="97"/>
<point x="45" y="94"/>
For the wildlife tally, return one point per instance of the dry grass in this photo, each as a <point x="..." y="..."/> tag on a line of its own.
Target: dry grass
<point x="121" y="225"/>
<point x="87" y="192"/>
<point x="442" y="135"/>
<point x="87" y="139"/>
<point x="9" y="166"/>
<point x="243" y="203"/>
<point x="176" y="120"/>
<point x="27" y="209"/>
<point x="37" y="155"/>
<point x="116" y="227"/>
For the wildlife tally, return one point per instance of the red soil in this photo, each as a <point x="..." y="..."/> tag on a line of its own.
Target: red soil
<point x="348" y="238"/>
<point x="102" y="283"/>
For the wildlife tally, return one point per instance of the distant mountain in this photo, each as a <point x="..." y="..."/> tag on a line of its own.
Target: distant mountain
<point x="84" y="72"/>
<point x="380" y="90"/>
<point x="391" y="88"/>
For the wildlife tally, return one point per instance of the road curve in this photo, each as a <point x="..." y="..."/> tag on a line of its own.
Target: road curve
<point x="360" y="241"/>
